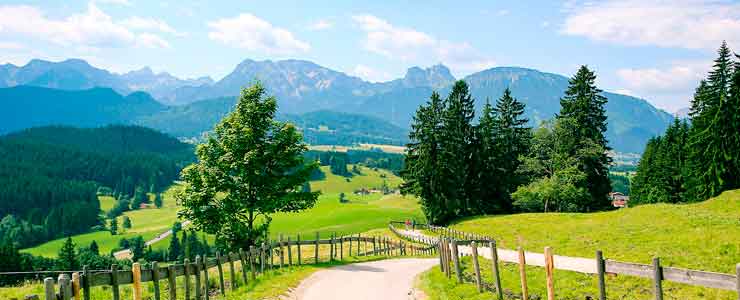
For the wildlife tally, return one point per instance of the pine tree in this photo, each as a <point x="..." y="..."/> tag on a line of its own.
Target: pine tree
<point x="492" y="196"/>
<point x="186" y="251"/>
<point x="67" y="257"/>
<point x="158" y="200"/>
<point x="113" y="226"/>
<point x="175" y="249"/>
<point x="421" y="173"/>
<point x="712" y="135"/>
<point x="94" y="248"/>
<point x="126" y="222"/>
<point x="456" y="151"/>
<point x="512" y="140"/>
<point x="584" y="105"/>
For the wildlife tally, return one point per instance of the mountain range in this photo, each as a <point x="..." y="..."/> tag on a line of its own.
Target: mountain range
<point x="188" y="107"/>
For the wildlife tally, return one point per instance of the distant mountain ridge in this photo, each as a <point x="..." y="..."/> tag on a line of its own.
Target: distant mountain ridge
<point x="302" y="86"/>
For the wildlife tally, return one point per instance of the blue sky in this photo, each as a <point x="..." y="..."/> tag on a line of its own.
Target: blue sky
<point x="657" y="50"/>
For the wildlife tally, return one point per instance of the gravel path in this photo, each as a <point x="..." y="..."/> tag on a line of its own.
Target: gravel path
<point x="390" y="279"/>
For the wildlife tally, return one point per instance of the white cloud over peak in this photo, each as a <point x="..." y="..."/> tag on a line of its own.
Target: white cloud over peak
<point x="413" y="46"/>
<point x="252" y="33"/>
<point x="92" y="28"/>
<point x="670" y="86"/>
<point x="370" y="74"/>
<point x="692" y="24"/>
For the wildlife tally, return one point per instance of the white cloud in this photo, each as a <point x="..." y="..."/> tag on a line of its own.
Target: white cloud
<point x="140" y="23"/>
<point x="669" y="86"/>
<point x="700" y="24"/>
<point x="370" y="74"/>
<point x="11" y="46"/>
<point x="321" y="25"/>
<point x="92" y="28"/>
<point x="148" y="40"/>
<point x="252" y="33"/>
<point x="503" y="12"/>
<point x="545" y="24"/>
<point x="412" y="46"/>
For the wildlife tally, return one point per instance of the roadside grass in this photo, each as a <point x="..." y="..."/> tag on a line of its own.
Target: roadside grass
<point x="703" y="236"/>
<point x="360" y="214"/>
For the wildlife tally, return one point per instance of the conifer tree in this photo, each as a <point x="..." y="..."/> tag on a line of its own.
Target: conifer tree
<point x="175" y="249"/>
<point x="584" y="105"/>
<point x="67" y="257"/>
<point x="512" y="140"/>
<point x="421" y="173"/>
<point x="712" y="135"/>
<point x="158" y="200"/>
<point x="113" y="226"/>
<point x="456" y="151"/>
<point x="492" y="196"/>
<point x="94" y="248"/>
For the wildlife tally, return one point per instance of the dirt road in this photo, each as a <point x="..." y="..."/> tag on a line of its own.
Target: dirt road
<point x="390" y="279"/>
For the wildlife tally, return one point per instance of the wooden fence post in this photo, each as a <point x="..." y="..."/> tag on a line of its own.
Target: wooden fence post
<point x="243" y="262"/>
<point x="280" y="249"/>
<point x="197" y="277"/>
<point x="114" y="282"/>
<point x="86" y="282"/>
<point x="359" y="237"/>
<point x="331" y="247"/>
<point x="76" y="286"/>
<point x="448" y="258"/>
<point x="298" y="247"/>
<point x="65" y="289"/>
<point x="155" y="279"/>
<point x="290" y="254"/>
<point x="49" y="293"/>
<point x="456" y="261"/>
<point x="374" y="249"/>
<point x="136" y="284"/>
<point x="523" y="272"/>
<point x="220" y="273"/>
<point x="441" y="258"/>
<point x="476" y="266"/>
<point x="186" y="272"/>
<point x="494" y="267"/>
<point x="600" y="270"/>
<point x="658" y="278"/>
<point x="232" y="272"/>
<point x="251" y="257"/>
<point x="171" y="282"/>
<point x="205" y="278"/>
<point x="316" y="249"/>
<point x="350" y="246"/>
<point x="262" y="258"/>
<point x="549" y="268"/>
<point x="341" y="248"/>
<point x="271" y="253"/>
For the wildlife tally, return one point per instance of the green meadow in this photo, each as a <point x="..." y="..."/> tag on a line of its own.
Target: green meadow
<point x="702" y="236"/>
<point x="360" y="214"/>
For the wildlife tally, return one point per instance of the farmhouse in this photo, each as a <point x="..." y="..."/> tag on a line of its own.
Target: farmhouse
<point x="619" y="199"/>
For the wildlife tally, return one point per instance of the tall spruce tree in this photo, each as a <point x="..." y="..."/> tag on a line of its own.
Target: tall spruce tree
<point x="492" y="196"/>
<point x="512" y="140"/>
<point x="713" y="135"/>
<point x="584" y="105"/>
<point x="457" y="135"/>
<point x="421" y="173"/>
<point x="67" y="257"/>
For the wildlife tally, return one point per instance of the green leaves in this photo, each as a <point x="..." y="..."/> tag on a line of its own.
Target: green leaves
<point x="250" y="168"/>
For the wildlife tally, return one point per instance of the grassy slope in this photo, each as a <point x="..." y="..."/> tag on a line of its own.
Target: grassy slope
<point x="702" y="236"/>
<point x="328" y="215"/>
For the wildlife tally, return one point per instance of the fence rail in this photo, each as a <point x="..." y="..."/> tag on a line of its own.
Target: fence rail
<point x="253" y="261"/>
<point x="452" y="244"/>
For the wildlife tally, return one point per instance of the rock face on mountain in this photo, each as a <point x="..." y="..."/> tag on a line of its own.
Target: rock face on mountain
<point x="303" y="86"/>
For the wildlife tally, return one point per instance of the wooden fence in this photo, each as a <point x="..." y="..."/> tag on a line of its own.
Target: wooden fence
<point x="453" y="244"/>
<point x="253" y="262"/>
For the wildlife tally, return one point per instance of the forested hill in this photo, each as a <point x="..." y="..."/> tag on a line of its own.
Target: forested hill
<point x="49" y="176"/>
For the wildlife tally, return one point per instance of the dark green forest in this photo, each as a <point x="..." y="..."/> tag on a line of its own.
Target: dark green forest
<point x="697" y="159"/>
<point x="500" y="165"/>
<point x="49" y="176"/>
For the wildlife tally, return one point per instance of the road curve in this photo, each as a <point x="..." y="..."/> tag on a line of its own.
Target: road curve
<point x="390" y="279"/>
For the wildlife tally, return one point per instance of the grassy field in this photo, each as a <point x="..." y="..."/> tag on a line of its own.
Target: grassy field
<point x="362" y="213"/>
<point x="703" y="236"/>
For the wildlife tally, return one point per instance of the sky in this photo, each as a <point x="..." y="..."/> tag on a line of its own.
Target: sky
<point x="656" y="50"/>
